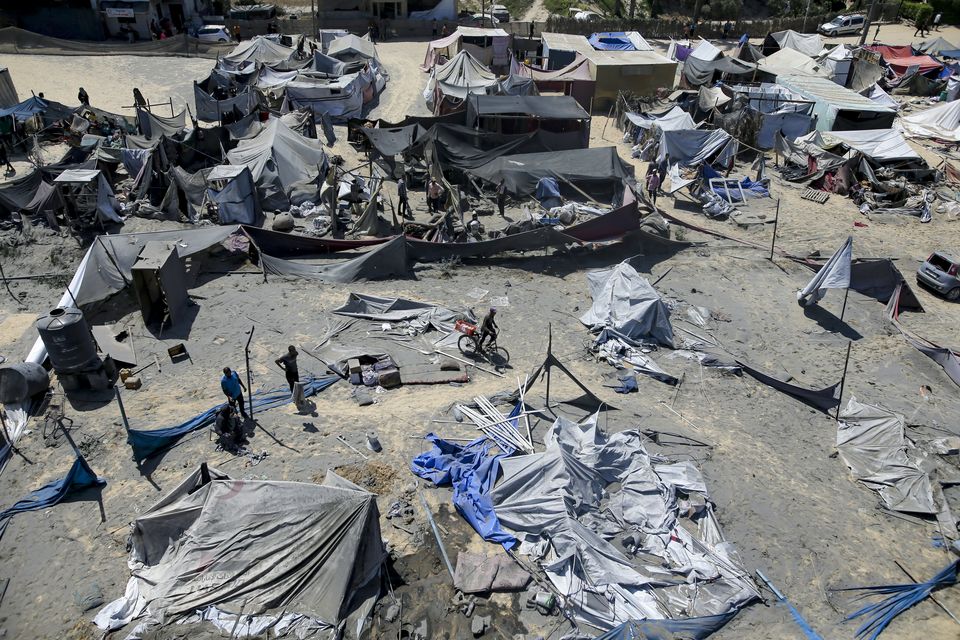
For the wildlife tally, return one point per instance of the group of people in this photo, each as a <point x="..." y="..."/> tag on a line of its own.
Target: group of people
<point x="922" y="28"/>
<point x="228" y="424"/>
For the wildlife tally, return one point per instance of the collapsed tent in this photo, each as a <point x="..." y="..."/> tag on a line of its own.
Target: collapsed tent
<point x="598" y="170"/>
<point x="450" y="83"/>
<point x="235" y="196"/>
<point x="551" y="502"/>
<point x="282" y="162"/>
<point x="624" y="301"/>
<point x="791" y="63"/>
<point x="882" y="145"/>
<point x="389" y="260"/>
<point x="254" y="555"/>
<point x="941" y="122"/>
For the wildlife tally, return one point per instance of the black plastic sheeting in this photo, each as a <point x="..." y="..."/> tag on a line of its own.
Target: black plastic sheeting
<point x="599" y="172"/>
<point x="16" y="194"/>
<point x="424" y="251"/>
<point x="545" y="107"/>
<point x="699" y="72"/>
<point x="456" y="147"/>
<point x="389" y="260"/>
<point x="390" y="141"/>
<point x="823" y="399"/>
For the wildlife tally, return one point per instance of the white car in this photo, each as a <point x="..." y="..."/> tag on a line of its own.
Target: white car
<point x="842" y="25"/>
<point x="213" y="33"/>
<point x="586" y="16"/>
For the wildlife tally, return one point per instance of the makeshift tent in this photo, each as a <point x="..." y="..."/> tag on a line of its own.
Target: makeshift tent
<point x="219" y="98"/>
<point x="619" y="41"/>
<point x="881" y="97"/>
<point x="34" y="106"/>
<point x="153" y="126"/>
<point x="882" y="145"/>
<point x="697" y="71"/>
<point x="341" y="98"/>
<point x="835" y="274"/>
<point x="838" y="108"/>
<point x="451" y="82"/>
<point x="598" y="170"/>
<point x="809" y="44"/>
<point x="674" y="120"/>
<point x="17" y="193"/>
<point x="560" y="115"/>
<point x="936" y="47"/>
<point x="489" y="46"/>
<point x="8" y="93"/>
<point x="389" y="260"/>
<point x="691" y="147"/>
<point x="351" y="48"/>
<point x="553" y="500"/>
<point x="900" y="59"/>
<point x="561" y="49"/>
<point x="281" y="162"/>
<point x="837" y="63"/>
<point x="573" y="80"/>
<point x="941" y="122"/>
<point x="624" y="301"/>
<point x="251" y="555"/>
<point x="642" y="72"/>
<point x="88" y="196"/>
<point x="250" y="54"/>
<point x="790" y="63"/>
<point x="456" y="147"/>
<point x="235" y="196"/>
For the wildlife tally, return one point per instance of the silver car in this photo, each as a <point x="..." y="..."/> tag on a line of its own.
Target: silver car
<point x="842" y="25"/>
<point x="940" y="273"/>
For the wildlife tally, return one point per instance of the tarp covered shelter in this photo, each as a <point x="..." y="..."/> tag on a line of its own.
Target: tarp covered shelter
<point x="882" y="145"/>
<point x="697" y="71"/>
<point x="236" y="199"/>
<point x="291" y="556"/>
<point x="523" y="114"/>
<point x="573" y="80"/>
<point x="341" y="98"/>
<point x="901" y="58"/>
<point x="598" y="170"/>
<point x="936" y="46"/>
<point x="941" y="122"/>
<point x="641" y="72"/>
<point x="791" y="63"/>
<point x="809" y="44"/>
<point x="250" y="54"/>
<point x="281" y="161"/>
<point x="89" y="189"/>
<point x="8" y="92"/>
<point x="219" y="97"/>
<point x="838" y="108"/>
<point x="351" y="48"/>
<point x="624" y="301"/>
<point x="674" y="120"/>
<point x="451" y="82"/>
<point x="489" y="46"/>
<point x="688" y="147"/>
<point x="619" y="41"/>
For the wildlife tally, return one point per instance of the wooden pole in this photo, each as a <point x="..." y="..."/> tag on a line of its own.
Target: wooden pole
<point x="123" y="413"/>
<point x="776" y="222"/>
<point x="246" y="357"/>
<point x="843" y="380"/>
<point x="549" y="351"/>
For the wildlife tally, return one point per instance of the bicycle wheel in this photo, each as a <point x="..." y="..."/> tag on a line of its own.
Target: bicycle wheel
<point x="498" y="356"/>
<point x="467" y="345"/>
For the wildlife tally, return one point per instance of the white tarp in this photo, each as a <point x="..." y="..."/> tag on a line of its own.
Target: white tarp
<point x="835" y="274"/>
<point x="809" y="44"/>
<point x="624" y="301"/>
<point x="881" y="97"/>
<point x="706" y="51"/>
<point x="711" y="97"/>
<point x="458" y="77"/>
<point x="674" y="120"/>
<point x="941" y="122"/>
<point x="880" y="144"/>
<point x="791" y="62"/>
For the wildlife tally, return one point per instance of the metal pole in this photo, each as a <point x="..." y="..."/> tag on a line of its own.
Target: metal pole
<point x="843" y="380"/>
<point x="246" y="356"/>
<point x="123" y="413"/>
<point x="866" y="22"/>
<point x="844" y="309"/>
<point x="436" y="534"/>
<point x="313" y="20"/>
<point x="805" y="15"/>
<point x="776" y="221"/>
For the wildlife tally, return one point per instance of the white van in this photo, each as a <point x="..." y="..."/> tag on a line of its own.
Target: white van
<point x="842" y="25"/>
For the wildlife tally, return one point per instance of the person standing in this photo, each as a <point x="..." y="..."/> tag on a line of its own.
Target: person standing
<point x="403" y="208"/>
<point x="726" y="29"/>
<point x="434" y="194"/>
<point x="502" y="196"/>
<point x="936" y="21"/>
<point x="83" y="97"/>
<point x="921" y="26"/>
<point x="288" y="362"/>
<point x="236" y="32"/>
<point x="333" y="186"/>
<point x="233" y="387"/>
<point x="653" y="185"/>
<point x="5" y="160"/>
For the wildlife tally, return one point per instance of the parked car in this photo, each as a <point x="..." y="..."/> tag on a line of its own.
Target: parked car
<point x="500" y="12"/>
<point x="213" y="33"/>
<point x="479" y="20"/>
<point x="586" y="16"/>
<point x="941" y="273"/>
<point x="842" y="25"/>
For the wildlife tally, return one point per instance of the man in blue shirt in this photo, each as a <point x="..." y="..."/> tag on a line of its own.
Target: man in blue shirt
<point x="233" y="388"/>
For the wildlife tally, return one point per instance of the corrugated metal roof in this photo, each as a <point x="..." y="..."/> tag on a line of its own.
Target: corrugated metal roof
<point x="824" y="90"/>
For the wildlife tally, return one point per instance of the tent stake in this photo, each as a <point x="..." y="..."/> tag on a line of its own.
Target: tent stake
<point x="843" y="381"/>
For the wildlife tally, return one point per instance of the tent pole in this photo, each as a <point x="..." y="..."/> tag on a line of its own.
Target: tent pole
<point x="776" y="221"/>
<point x="123" y="413"/>
<point x="246" y="357"/>
<point x="549" y="351"/>
<point x="844" y="309"/>
<point x="843" y="381"/>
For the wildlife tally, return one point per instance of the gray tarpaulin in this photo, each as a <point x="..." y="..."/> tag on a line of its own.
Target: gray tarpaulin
<point x="280" y="158"/>
<point x="624" y="301"/>
<point x="209" y="109"/>
<point x="418" y="314"/>
<point x="237" y="202"/>
<point x="874" y="447"/>
<point x="699" y="72"/>
<point x="599" y="171"/>
<point x="461" y="75"/>
<point x="552" y="502"/>
<point x="305" y="555"/>
<point x="809" y="44"/>
<point x="835" y="274"/>
<point x="153" y="126"/>
<point x="690" y="147"/>
<point x="425" y="251"/>
<point x="261" y="50"/>
<point x="389" y="260"/>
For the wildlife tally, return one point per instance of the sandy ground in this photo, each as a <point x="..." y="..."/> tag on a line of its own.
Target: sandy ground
<point x="783" y="497"/>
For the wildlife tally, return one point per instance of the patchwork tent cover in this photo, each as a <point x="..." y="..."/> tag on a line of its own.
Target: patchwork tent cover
<point x="295" y="557"/>
<point x="624" y="301"/>
<point x="901" y="58"/>
<point x="280" y="160"/>
<point x="690" y="147"/>
<point x="941" y="122"/>
<point x="211" y="109"/>
<point x="551" y="502"/>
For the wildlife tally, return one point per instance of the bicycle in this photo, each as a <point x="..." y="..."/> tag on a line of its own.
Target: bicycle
<point x="469" y="345"/>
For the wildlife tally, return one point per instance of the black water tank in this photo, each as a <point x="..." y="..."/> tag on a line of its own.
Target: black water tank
<point x="70" y="345"/>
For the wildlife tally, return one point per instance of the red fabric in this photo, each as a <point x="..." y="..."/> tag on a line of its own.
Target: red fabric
<point x="888" y="52"/>
<point x="900" y="65"/>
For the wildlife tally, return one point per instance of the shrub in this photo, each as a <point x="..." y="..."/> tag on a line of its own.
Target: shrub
<point x="917" y="11"/>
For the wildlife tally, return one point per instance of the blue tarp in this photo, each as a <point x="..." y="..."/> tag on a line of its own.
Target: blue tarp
<point x="687" y="628"/>
<point x="750" y="188"/>
<point x="547" y="188"/>
<point x="611" y="41"/>
<point x="78" y="478"/>
<point x="147" y="443"/>
<point x="471" y="470"/>
<point x="34" y="105"/>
